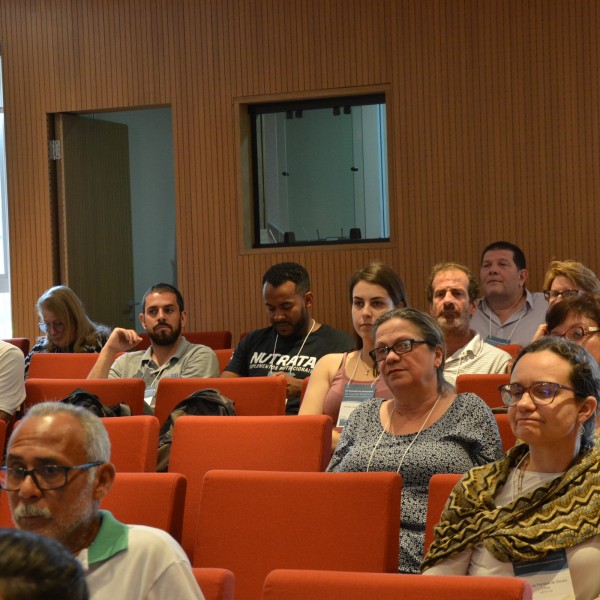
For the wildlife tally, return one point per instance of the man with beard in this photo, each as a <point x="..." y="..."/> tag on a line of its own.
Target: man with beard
<point x="294" y="342"/>
<point x="169" y="355"/>
<point x="452" y="294"/>
<point x="57" y="472"/>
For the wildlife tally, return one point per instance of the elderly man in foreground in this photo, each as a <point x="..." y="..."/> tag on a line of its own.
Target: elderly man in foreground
<point x="57" y="471"/>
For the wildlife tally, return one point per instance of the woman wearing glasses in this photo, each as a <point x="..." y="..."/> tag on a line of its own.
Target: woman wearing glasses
<point x="425" y="428"/>
<point x="536" y="512"/>
<point x="566" y="279"/>
<point x="65" y="325"/>
<point x="339" y="382"/>
<point x="578" y="320"/>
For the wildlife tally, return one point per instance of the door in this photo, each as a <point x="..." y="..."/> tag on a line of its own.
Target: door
<point x="94" y="213"/>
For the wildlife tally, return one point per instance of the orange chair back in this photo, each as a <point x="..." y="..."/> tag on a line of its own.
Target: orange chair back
<point x="484" y="385"/>
<point x="153" y="499"/>
<point x="201" y="444"/>
<point x="216" y="584"/>
<point x="325" y="585"/>
<point x="213" y="339"/>
<point x="252" y="522"/>
<point x="6" y="521"/>
<point x="223" y="356"/>
<point x="303" y="389"/>
<point x="61" y="365"/>
<point x="21" y="343"/>
<point x="440" y="487"/>
<point x="512" y="349"/>
<point x="252" y="395"/>
<point x="109" y="391"/>
<point x="133" y="443"/>
<point x="509" y="439"/>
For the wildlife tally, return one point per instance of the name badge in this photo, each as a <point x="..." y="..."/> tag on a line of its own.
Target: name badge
<point x="149" y="396"/>
<point x="354" y="396"/>
<point x="548" y="577"/>
<point x="496" y="341"/>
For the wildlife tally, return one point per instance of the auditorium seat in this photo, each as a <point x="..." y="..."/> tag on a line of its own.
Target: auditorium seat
<point x="21" y="343"/>
<point x="252" y="395"/>
<point x="440" y="487"/>
<point x="133" y="443"/>
<point x="484" y="385"/>
<point x="61" y="365"/>
<point x="285" y="584"/>
<point x="109" y="391"/>
<point x="153" y="499"/>
<point x="280" y="443"/>
<point x="252" y="522"/>
<point x="216" y="584"/>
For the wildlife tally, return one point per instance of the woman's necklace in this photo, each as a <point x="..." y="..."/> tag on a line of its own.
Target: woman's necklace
<point x="413" y="440"/>
<point x="365" y="365"/>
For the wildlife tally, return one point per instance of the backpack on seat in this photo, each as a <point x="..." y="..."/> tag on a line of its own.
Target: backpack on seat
<point x="85" y="399"/>
<point x="209" y="402"/>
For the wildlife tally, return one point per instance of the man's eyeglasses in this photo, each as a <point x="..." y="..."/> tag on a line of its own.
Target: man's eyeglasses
<point x="399" y="347"/>
<point x="577" y="333"/>
<point x="56" y="325"/>
<point x="46" y="477"/>
<point x="553" y="294"/>
<point x="540" y="392"/>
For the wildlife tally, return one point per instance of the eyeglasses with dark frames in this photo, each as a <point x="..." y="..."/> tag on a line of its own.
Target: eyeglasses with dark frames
<point x="552" y="294"/>
<point x="540" y="392"/>
<point x="399" y="347"/>
<point x="46" y="477"/>
<point x="577" y="333"/>
<point x="56" y="325"/>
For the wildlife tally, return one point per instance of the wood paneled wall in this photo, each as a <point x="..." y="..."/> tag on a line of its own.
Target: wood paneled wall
<point x="493" y="127"/>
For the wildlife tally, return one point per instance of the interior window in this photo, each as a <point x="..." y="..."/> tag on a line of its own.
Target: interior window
<point x="320" y="171"/>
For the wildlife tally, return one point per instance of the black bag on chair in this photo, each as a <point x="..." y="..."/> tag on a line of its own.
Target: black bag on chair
<point x="209" y="402"/>
<point x="85" y="399"/>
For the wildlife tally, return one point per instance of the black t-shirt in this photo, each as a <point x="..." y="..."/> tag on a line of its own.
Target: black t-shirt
<point x="257" y="354"/>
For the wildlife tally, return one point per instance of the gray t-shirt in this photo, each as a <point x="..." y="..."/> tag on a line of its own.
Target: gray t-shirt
<point x="190" y="360"/>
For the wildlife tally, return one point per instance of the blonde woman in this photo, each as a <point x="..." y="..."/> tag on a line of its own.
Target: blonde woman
<point x="66" y="326"/>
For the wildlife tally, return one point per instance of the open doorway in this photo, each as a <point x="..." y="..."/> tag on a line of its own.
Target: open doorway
<point x="110" y="285"/>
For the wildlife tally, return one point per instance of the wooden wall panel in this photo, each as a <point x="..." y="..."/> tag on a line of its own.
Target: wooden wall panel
<point x="493" y="127"/>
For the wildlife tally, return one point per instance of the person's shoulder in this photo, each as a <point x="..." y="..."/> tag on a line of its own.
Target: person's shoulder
<point x="536" y="298"/>
<point x="8" y="349"/>
<point x="337" y="335"/>
<point x="470" y="401"/>
<point x="331" y="362"/>
<point x="154" y="539"/>
<point x="194" y="348"/>
<point x="257" y="336"/>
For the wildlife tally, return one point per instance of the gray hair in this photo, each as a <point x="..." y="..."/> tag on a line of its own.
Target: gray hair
<point x="428" y="329"/>
<point x="95" y="436"/>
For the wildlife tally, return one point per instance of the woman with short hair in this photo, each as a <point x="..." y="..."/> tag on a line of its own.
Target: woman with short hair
<point x="424" y="429"/>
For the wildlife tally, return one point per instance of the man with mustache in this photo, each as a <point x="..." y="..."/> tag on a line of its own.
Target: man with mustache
<point x="294" y="342"/>
<point x="57" y="472"/>
<point x="452" y="294"/>
<point x="170" y="354"/>
<point x="508" y="313"/>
